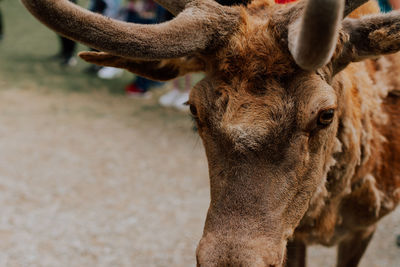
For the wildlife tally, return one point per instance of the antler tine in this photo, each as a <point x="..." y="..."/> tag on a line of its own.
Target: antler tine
<point x="313" y="37"/>
<point x="193" y="30"/>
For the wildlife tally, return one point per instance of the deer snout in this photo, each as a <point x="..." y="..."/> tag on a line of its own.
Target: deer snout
<point x="225" y="251"/>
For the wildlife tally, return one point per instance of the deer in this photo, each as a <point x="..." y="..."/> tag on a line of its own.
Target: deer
<point x="298" y="112"/>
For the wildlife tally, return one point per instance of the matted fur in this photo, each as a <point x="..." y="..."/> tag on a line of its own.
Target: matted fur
<point x="282" y="175"/>
<point x="249" y="108"/>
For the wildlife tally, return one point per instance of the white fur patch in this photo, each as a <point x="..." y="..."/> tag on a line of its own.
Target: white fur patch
<point x="370" y="181"/>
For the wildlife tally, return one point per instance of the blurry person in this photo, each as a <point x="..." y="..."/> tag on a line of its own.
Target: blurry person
<point x="142" y="12"/>
<point x="97" y="6"/>
<point x="67" y="50"/>
<point x="111" y="9"/>
<point x="395" y="4"/>
<point x="109" y="73"/>
<point x="388" y="5"/>
<point x="162" y="14"/>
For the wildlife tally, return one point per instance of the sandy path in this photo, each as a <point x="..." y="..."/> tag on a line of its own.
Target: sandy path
<point x="99" y="180"/>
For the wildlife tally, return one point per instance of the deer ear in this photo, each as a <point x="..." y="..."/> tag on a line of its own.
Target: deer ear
<point x="159" y="70"/>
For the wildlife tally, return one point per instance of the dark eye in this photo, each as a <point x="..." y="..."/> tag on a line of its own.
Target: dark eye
<point x="326" y="117"/>
<point x="193" y="110"/>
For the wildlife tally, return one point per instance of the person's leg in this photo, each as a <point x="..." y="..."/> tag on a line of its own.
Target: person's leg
<point x="138" y="88"/>
<point x="68" y="47"/>
<point x="143" y="83"/>
<point x="67" y="52"/>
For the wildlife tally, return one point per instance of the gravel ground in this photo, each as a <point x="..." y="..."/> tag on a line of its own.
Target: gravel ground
<point x="99" y="180"/>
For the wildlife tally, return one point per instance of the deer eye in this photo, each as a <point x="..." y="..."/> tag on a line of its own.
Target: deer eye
<point x="326" y="117"/>
<point x="193" y="110"/>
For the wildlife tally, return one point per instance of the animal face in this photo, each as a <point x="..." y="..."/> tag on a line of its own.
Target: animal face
<point x="268" y="110"/>
<point x="269" y="143"/>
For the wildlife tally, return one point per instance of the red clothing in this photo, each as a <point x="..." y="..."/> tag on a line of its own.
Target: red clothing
<point x="284" y="1"/>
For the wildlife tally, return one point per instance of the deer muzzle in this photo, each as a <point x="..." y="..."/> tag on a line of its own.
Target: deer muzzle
<point x="216" y="250"/>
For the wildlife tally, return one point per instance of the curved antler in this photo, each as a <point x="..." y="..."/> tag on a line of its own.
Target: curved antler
<point x="193" y="30"/>
<point x="313" y="37"/>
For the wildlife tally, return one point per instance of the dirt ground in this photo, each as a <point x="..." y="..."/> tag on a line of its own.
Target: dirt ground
<point x="100" y="180"/>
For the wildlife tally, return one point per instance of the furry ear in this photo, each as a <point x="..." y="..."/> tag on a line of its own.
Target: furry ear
<point x="159" y="70"/>
<point x="367" y="37"/>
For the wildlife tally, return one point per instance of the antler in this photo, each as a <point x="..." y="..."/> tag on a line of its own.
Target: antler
<point x="313" y="37"/>
<point x="368" y="37"/>
<point x="195" y="28"/>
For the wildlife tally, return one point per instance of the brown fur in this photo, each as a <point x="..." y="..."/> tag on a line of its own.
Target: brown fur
<point x="282" y="175"/>
<point x="251" y="95"/>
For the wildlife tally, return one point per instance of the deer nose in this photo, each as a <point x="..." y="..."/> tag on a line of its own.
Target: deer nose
<point x="227" y="252"/>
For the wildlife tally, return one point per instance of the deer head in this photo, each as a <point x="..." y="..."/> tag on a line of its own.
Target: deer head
<point x="268" y="110"/>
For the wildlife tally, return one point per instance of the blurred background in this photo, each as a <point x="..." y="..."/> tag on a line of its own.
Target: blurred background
<point x="98" y="168"/>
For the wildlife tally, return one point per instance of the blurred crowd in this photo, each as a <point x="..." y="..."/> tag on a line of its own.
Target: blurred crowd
<point x="145" y="12"/>
<point x="135" y="11"/>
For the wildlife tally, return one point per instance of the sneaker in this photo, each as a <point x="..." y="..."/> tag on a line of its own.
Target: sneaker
<point x="109" y="73"/>
<point x="68" y="62"/>
<point x="168" y="99"/>
<point x="180" y="101"/>
<point x="132" y="90"/>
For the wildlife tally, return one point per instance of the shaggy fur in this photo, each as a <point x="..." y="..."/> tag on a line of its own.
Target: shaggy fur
<point x="296" y="157"/>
